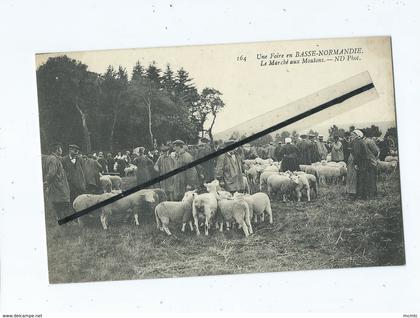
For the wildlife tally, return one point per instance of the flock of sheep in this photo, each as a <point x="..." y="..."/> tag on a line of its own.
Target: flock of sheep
<point x="219" y="208"/>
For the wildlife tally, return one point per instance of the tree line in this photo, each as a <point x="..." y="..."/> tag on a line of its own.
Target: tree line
<point x="112" y="111"/>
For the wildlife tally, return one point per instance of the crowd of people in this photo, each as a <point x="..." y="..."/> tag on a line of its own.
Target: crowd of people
<point x="66" y="177"/>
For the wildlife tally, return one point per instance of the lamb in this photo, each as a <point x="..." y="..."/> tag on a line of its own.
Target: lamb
<point x="205" y="206"/>
<point x="131" y="203"/>
<point x="130" y="170"/>
<point x="282" y="185"/>
<point x="116" y="182"/>
<point x="258" y="204"/>
<point x="386" y="166"/>
<point x="313" y="183"/>
<point x="105" y="183"/>
<point x="328" y="173"/>
<point x="177" y="212"/>
<point x="263" y="178"/>
<point x="391" y="158"/>
<point x="235" y="210"/>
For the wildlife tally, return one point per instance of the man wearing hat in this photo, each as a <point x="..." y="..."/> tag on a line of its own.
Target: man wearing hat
<point x="289" y="156"/>
<point x="91" y="170"/>
<point x="229" y="170"/>
<point x="313" y="154"/>
<point x="361" y="164"/>
<point x="56" y="185"/>
<point x="72" y="165"/>
<point x="337" y="150"/>
<point x="144" y="166"/>
<point x="322" y="149"/>
<point x="303" y="147"/>
<point x="206" y="169"/>
<point x="186" y="180"/>
<point x="270" y="150"/>
<point x="164" y="164"/>
<point x="277" y="151"/>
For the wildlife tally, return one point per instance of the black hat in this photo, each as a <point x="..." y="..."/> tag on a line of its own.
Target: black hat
<point x="178" y="143"/>
<point x="204" y="139"/>
<point x="55" y="145"/>
<point x="73" y="146"/>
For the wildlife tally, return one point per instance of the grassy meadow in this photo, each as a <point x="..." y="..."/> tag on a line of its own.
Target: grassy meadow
<point x="332" y="231"/>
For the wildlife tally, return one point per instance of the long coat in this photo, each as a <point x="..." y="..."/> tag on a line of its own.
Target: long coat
<point x="366" y="172"/>
<point x="75" y="176"/>
<point x="304" y="152"/>
<point x="351" y="179"/>
<point x="322" y="150"/>
<point x="289" y="158"/>
<point x="185" y="178"/>
<point x="229" y="172"/>
<point x="165" y="164"/>
<point x="144" y="168"/>
<point x="206" y="168"/>
<point x="337" y="151"/>
<point x="55" y="177"/>
<point x="91" y="170"/>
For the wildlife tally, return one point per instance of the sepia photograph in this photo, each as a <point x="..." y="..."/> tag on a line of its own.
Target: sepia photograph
<point x="320" y="193"/>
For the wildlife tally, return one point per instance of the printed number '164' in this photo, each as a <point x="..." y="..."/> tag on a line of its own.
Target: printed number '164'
<point x="241" y="58"/>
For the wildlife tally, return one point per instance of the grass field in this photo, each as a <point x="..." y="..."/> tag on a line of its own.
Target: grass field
<point x="331" y="231"/>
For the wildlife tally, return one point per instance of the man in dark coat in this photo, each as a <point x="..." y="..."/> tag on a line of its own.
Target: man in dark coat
<point x="346" y="146"/>
<point x="206" y="169"/>
<point x="277" y="152"/>
<point x="229" y="170"/>
<point x="303" y="147"/>
<point x="110" y="162"/>
<point x="91" y="170"/>
<point x="313" y="154"/>
<point x="289" y="156"/>
<point x="72" y="164"/>
<point x="144" y="166"/>
<point x="186" y="180"/>
<point x="164" y="164"/>
<point x="383" y="148"/>
<point x="361" y="164"/>
<point x="56" y="185"/>
<point x="372" y="156"/>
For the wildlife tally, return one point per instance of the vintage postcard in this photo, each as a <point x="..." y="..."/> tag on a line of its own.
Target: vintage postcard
<point x="322" y="192"/>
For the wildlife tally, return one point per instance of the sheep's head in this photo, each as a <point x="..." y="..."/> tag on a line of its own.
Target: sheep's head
<point x="149" y="196"/>
<point x="224" y="195"/>
<point x="189" y="196"/>
<point x="294" y="178"/>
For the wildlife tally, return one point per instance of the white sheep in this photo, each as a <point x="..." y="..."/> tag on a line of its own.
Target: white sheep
<point x="205" y="206"/>
<point x="258" y="204"/>
<point x="177" y="212"/>
<point x="235" y="210"/>
<point x="282" y="185"/>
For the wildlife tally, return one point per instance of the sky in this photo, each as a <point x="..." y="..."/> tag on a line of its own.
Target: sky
<point x="250" y="89"/>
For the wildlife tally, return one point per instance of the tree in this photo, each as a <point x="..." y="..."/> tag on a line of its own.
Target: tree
<point x="68" y="94"/>
<point x="153" y="74"/>
<point x="138" y="71"/>
<point x="372" y="131"/>
<point x="207" y="108"/>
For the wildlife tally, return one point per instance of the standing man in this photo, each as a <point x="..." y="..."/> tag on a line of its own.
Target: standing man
<point x="346" y="142"/>
<point x="110" y="162"/>
<point x="313" y="154"/>
<point x="101" y="160"/>
<point x="206" y="169"/>
<point x="72" y="164"/>
<point x="372" y="151"/>
<point x="361" y="164"/>
<point x="144" y="166"/>
<point x="57" y="187"/>
<point x="277" y="152"/>
<point x="337" y="150"/>
<point x="289" y="156"/>
<point x="229" y="170"/>
<point x="303" y="146"/>
<point x="186" y="180"/>
<point x="91" y="170"/>
<point x="164" y="164"/>
<point x="270" y="150"/>
<point x="322" y="149"/>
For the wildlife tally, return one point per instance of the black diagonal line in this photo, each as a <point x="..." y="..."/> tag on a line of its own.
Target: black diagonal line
<point x="219" y="152"/>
